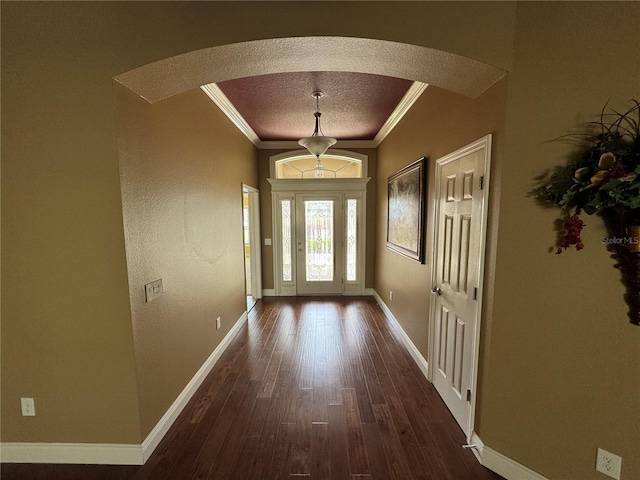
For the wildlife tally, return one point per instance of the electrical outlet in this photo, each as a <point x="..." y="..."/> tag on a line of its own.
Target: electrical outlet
<point x="390" y="296"/>
<point x="28" y="407"/>
<point x="153" y="290"/>
<point x="218" y="323"/>
<point x="608" y="463"/>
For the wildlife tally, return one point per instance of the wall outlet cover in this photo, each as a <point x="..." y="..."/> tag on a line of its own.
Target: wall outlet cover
<point x="608" y="463"/>
<point x="28" y="407"/>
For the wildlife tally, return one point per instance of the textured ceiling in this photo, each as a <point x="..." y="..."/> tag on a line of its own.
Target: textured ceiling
<point x="280" y="106"/>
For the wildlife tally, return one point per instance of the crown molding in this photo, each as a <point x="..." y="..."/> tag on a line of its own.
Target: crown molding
<point x="414" y="92"/>
<point x="293" y="145"/>
<point x="220" y="99"/>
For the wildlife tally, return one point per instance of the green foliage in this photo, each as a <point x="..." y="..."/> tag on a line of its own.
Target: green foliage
<point x="607" y="174"/>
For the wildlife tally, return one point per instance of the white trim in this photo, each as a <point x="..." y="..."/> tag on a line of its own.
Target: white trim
<point x="220" y="99"/>
<point x="255" y="255"/>
<point x="162" y="427"/>
<point x="414" y="92"/>
<point x="295" y="185"/>
<point x="80" y="453"/>
<point x="413" y="350"/>
<point x="501" y="464"/>
<point x="268" y="292"/>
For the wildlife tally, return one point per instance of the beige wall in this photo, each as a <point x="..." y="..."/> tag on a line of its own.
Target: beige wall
<point x="555" y="333"/>
<point x="182" y="165"/>
<point x="66" y="323"/>
<point x="562" y="373"/>
<point x="266" y="215"/>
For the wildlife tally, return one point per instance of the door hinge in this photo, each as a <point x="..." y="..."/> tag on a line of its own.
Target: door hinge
<point x="468" y="395"/>
<point x="475" y="293"/>
<point x="481" y="182"/>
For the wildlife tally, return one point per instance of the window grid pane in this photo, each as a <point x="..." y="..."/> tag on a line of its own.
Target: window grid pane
<point x="319" y="240"/>
<point x="286" y="241"/>
<point x="352" y="238"/>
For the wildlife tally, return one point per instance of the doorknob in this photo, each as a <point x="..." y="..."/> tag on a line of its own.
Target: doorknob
<point x="437" y="291"/>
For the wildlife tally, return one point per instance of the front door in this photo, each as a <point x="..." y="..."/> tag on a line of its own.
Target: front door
<point x="460" y="225"/>
<point x="319" y="244"/>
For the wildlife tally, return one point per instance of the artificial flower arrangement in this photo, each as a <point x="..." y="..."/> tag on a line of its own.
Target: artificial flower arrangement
<point x="606" y="177"/>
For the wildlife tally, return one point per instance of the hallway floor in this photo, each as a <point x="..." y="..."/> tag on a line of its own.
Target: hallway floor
<point x="312" y="388"/>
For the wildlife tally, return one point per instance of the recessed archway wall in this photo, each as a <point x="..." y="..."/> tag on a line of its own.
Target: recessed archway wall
<point x="171" y="76"/>
<point x="162" y="79"/>
<point x="186" y="72"/>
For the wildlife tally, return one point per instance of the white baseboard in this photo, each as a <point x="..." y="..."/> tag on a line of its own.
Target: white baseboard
<point x="413" y="350"/>
<point x="117" y="454"/>
<point x="501" y="464"/>
<point x="80" y="453"/>
<point x="162" y="427"/>
<point x="268" y="292"/>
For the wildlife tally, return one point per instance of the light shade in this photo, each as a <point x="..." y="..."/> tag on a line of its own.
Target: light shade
<point x="317" y="144"/>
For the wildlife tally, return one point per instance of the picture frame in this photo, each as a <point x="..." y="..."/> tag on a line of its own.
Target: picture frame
<point x="406" y="193"/>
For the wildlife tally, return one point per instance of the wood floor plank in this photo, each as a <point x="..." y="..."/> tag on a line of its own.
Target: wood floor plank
<point x="301" y="453"/>
<point x="318" y="388"/>
<point x="338" y="447"/>
<point x="321" y="465"/>
<point x="358" y="460"/>
<point x="378" y="465"/>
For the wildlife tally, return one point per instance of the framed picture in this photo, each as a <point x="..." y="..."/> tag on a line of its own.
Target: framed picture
<point x="406" y="210"/>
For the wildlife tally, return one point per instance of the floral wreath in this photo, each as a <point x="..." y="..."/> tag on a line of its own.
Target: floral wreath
<point x="605" y="178"/>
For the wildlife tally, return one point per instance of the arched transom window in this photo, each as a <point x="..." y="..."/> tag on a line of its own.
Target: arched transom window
<point x="303" y="165"/>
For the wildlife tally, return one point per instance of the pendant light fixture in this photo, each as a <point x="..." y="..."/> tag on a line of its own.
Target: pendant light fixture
<point x="317" y="143"/>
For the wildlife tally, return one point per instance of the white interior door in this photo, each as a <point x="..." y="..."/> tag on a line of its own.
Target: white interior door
<point x="319" y="244"/>
<point x="460" y="229"/>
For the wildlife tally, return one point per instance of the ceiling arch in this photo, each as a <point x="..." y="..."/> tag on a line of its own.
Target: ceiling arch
<point x="174" y="75"/>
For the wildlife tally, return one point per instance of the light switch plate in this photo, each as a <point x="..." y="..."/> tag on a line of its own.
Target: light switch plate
<point x="153" y="290"/>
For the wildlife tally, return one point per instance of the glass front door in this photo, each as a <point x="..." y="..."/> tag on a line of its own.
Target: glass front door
<point x="319" y="244"/>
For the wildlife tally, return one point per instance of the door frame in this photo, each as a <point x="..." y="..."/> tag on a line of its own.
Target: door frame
<point x="255" y="255"/>
<point x="287" y="189"/>
<point x="481" y="143"/>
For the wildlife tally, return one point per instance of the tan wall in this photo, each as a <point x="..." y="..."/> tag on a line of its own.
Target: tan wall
<point x="266" y="215"/>
<point x="182" y="165"/>
<point x="561" y="376"/>
<point x="66" y="323"/>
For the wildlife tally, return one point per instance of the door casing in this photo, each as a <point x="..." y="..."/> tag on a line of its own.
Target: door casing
<point x="255" y="256"/>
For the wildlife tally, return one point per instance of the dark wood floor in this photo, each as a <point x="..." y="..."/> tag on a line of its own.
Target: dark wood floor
<point x="312" y="388"/>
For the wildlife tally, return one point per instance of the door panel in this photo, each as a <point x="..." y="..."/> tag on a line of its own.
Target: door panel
<point x="458" y="252"/>
<point x="319" y="244"/>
